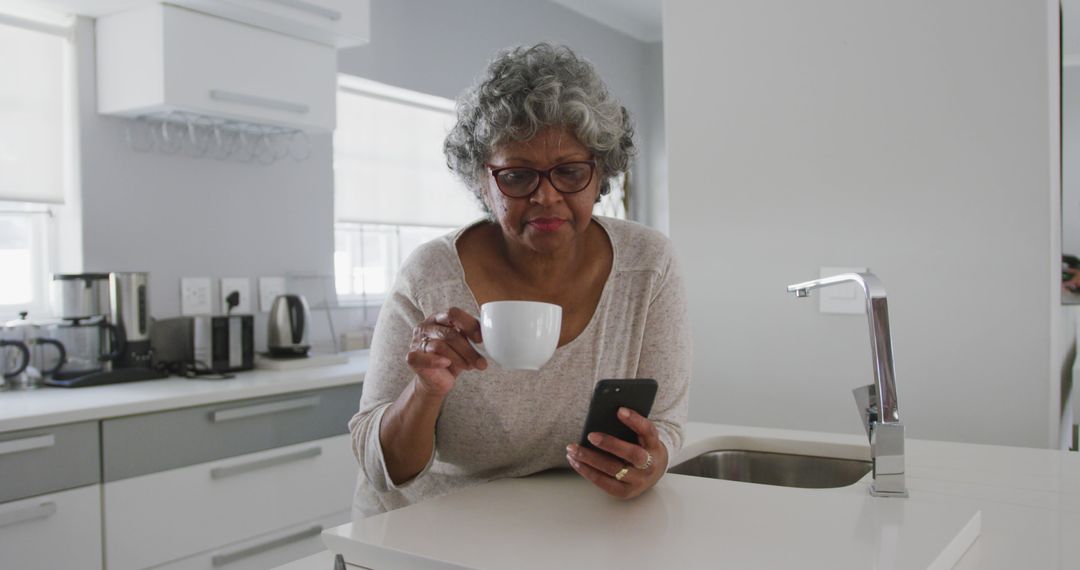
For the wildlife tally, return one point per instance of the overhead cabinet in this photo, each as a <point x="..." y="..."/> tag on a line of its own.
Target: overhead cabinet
<point x="163" y="58"/>
<point x="341" y="23"/>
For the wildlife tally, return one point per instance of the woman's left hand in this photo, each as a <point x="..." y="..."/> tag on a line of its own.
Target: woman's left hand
<point x="626" y="470"/>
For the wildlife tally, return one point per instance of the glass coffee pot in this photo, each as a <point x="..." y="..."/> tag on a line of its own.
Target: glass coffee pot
<point x="45" y="354"/>
<point x="91" y="345"/>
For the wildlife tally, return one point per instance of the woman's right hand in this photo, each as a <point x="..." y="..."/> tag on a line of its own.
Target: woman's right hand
<point x="440" y="350"/>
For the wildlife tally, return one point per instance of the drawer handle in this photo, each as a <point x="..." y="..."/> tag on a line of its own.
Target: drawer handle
<point x="256" y="101"/>
<point x="27" y="443"/>
<point x="263" y="409"/>
<point x="249" y="551"/>
<point x="223" y="472"/>
<point x="332" y="15"/>
<point x="28" y="514"/>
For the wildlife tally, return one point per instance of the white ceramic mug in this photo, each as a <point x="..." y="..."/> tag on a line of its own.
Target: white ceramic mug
<point x="519" y="335"/>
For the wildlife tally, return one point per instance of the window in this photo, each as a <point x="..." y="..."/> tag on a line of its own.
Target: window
<point x="36" y="124"/>
<point x="392" y="188"/>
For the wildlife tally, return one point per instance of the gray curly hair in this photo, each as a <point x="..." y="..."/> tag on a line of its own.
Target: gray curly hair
<point x="526" y="89"/>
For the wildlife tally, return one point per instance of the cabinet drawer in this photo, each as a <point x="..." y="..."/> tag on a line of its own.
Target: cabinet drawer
<point x="48" y="459"/>
<point x="139" y="445"/>
<point x="266" y="551"/>
<point x="47" y="532"/>
<point x="175" y="514"/>
<point x="341" y="23"/>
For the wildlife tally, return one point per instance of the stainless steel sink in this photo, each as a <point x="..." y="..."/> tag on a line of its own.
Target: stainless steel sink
<point x="783" y="469"/>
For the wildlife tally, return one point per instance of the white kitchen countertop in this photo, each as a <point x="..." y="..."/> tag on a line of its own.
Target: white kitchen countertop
<point x="1029" y="501"/>
<point x="52" y="406"/>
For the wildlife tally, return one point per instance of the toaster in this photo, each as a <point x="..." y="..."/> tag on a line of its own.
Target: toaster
<point x="205" y="344"/>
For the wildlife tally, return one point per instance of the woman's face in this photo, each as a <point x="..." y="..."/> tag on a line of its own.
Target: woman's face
<point x="547" y="220"/>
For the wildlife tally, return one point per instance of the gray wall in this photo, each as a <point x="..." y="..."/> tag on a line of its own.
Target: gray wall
<point x="1070" y="149"/>
<point x="440" y="47"/>
<point x="176" y="216"/>
<point x="909" y="137"/>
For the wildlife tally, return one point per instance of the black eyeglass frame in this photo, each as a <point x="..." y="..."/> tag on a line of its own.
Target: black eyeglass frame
<point x="542" y="174"/>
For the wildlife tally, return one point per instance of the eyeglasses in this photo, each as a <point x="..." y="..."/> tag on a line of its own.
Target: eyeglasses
<point x="522" y="181"/>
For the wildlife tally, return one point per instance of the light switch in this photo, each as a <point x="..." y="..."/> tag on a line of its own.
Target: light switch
<point x="269" y="289"/>
<point x="842" y="299"/>
<point x="195" y="298"/>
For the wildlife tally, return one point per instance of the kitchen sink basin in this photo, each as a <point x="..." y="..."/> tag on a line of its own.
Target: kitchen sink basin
<point x="783" y="469"/>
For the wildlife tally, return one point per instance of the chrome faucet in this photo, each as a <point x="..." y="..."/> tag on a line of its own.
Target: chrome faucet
<point x="876" y="402"/>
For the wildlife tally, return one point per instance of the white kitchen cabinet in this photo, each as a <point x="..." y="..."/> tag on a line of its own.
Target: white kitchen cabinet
<point x="268" y="550"/>
<point x="163" y="58"/>
<point x="340" y="23"/>
<point x="170" y="515"/>
<point x="52" y="531"/>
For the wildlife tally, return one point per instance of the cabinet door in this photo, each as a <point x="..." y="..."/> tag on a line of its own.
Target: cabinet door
<point x="340" y="23"/>
<point x="165" y="58"/>
<point x="173" y="514"/>
<point x="222" y="68"/>
<point x="269" y="550"/>
<point x="48" y="532"/>
<point x="160" y="441"/>
<point x="48" y="459"/>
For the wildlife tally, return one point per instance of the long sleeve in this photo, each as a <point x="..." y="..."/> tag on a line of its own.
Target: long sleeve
<point x="386" y="377"/>
<point x="666" y="354"/>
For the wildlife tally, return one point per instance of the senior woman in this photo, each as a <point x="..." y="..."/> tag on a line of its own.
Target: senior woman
<point x="538" y="141"/>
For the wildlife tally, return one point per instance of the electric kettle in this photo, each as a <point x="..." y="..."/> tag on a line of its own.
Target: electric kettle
<point x="290" y="318"/>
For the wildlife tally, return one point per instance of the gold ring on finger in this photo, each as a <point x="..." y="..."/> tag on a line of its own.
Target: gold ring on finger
<point x="622" y="473"/>
<point x="648" y="462"/>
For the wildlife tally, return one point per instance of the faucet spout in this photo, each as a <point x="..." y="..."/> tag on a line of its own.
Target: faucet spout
<point x="877" y="403"/>
<point x="877" y="313"/>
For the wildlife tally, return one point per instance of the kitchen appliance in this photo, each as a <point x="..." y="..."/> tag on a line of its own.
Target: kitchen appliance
<point x="80" y="295"/>
<point x="46" y="354"/>
<point x="129" y="305"/>
<point x="287" y="336"/>
<point x="90" y="344"/>
<point x="205" y="344"/>
<point x="113" y="346"/>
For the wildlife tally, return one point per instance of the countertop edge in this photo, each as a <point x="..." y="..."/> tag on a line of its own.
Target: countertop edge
<point x="57" y="407"/>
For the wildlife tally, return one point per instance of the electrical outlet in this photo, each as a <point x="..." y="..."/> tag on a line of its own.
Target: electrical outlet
<point x="242" y="287"/>
<point x="269" y="289"/>
<point x="195" y="297"/>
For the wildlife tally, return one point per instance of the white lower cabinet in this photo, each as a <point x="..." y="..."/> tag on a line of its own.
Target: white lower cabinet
<point x="224" y="508"/>
<point x="52" y="531"/>
<point x="265" y="551"/>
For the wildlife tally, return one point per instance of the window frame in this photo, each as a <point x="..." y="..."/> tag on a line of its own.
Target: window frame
<point x="52" y="247"/>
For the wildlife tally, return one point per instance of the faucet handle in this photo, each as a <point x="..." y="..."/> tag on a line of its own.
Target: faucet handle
<point x="866" y="402"/>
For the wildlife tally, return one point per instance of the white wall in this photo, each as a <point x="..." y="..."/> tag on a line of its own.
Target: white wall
<point x="915" y="138"/>
<point x="176" y="216"/>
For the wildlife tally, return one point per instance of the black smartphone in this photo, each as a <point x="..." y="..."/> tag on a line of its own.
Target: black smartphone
<point x="610" y="395"/>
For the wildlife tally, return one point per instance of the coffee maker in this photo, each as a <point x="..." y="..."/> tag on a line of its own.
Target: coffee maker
<point x="124" y="323"/>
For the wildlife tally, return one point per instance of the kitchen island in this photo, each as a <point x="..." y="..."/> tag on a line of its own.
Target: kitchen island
<point x="1028" y="502"/>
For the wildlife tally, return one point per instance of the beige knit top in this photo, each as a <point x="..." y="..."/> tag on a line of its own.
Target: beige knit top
<point x="510" y="423"/>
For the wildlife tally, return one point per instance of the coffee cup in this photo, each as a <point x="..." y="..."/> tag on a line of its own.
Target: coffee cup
<point x="519" y="335"/>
